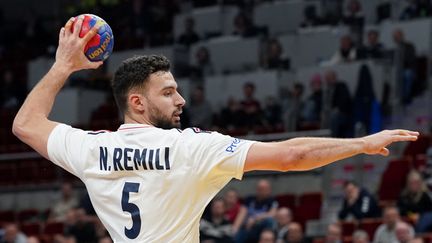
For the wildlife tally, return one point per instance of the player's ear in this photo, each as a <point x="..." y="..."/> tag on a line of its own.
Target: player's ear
<point x="136" y="102"/>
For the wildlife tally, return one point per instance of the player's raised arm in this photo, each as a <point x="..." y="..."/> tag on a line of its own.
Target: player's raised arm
<point x="31" y="124"/>
<point x="308" y="153"/>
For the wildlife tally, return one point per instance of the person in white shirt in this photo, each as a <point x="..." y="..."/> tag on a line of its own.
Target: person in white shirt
<point x="149" y="183"/>
<point x="386" y="232"/>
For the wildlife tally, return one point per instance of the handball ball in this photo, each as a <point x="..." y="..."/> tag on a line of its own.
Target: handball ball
<point x="100" y="47"/>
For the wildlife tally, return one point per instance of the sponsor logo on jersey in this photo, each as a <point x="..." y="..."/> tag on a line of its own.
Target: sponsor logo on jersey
<point x="233" y="146"/>
<point x="122" y="159"/>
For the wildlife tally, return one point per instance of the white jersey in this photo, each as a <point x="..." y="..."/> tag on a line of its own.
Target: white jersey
<point x="149" y="184"/>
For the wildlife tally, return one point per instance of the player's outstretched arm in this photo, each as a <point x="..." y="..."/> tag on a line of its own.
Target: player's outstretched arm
<point x="31" y="124"/>
<point x="308" y="153"/>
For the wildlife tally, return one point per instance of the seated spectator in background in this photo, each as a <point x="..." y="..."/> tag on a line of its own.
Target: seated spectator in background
<point x="283" y="219"/>
<point x="405" y="61"/>
<point x="417" y="240"/>
<point x="261" y="210"/>
<point x="251" y="106"/>
<point x="337" y="110"/>
<point x="374" y="49"/>
<point x="215" y="228"/>
<point x="66" y="202"/>
<point x="267" y="236"/>
<point x="416" y="9"/>
<point x="204" y="65"/>
<point x="232" y="116"/>
<point x="200" y="110"/>
<point x="243" y="26"/>
<point x="295" y="234"/>
<point x="416" y="203"/>
<point x="360" y="236"/>
<point x="64" y="239"/>
<point x="189" y="36"/>
<point x="78" y="226"/>
<point x="12" y="234"/>
<point x="311" y="114"/>
<point x="235" y="212"/>
<point x="105" y="239"/>
<point x="354" y="18"/>
<point x="273" y="58"/>
<point x="427" y="172"/>
<point x="403" y="233"/>
<point x="310" y="17"/>
<point x="333" y="234"/>
<point x="347" y="52"/>
<point x="272" y="114"/>
<point x="358" y="203"/>
<point x="386" y="232"/>
<point x="292" y="107"/>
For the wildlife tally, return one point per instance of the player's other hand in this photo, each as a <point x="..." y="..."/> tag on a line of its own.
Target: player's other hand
<point x="70" y="52"/>
<point x="377" y="143"/>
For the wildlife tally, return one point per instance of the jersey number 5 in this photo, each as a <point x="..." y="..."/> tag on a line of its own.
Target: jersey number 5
<point x="131" y="208"/>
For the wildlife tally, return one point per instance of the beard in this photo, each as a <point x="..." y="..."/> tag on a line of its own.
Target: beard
<point x="158" y="119"/>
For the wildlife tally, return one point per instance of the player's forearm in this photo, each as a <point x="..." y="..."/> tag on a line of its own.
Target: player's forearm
<point x="312" y="153"/>
<point x="39" y="102"/>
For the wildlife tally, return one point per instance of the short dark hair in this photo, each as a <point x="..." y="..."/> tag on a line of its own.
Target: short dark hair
<point x="134" y="72"/>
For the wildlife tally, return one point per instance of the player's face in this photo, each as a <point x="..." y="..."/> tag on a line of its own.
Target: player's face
<point x="164" y="103"/>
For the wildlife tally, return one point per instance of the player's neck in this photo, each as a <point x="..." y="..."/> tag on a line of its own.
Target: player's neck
<point x="134" y="120"/>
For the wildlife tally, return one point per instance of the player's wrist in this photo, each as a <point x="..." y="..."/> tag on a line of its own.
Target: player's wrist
<point x="361" y="144"/>
<point x="61" y="69"/>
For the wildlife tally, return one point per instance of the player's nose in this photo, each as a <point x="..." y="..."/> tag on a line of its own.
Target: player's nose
<point x="180" y="101"/>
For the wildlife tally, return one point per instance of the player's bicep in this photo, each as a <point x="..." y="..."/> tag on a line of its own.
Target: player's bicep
<point x="37" y="136"/>
<point x="268" y="156"/>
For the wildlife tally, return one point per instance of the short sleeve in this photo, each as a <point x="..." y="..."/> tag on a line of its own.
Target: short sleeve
<point x="65" y="148"/>
<point x="217" y="158"/>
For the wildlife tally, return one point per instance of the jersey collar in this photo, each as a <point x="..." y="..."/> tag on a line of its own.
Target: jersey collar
<point x="130" y="126"/>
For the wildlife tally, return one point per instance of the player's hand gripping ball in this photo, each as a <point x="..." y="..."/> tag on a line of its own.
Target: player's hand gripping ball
<point x="100" y="47"/>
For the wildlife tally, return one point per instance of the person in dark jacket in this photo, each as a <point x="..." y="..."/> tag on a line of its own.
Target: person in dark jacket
<point x="358" y="203"/>
<point x="364" y="98"/>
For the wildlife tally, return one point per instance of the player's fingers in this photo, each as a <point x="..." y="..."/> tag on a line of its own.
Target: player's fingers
<point x="95" y="65"/>
<point x="384" y="152"/>
<point x="61" y="33"/>
<point x="78" y="25"/>
<point x="401" y="138"/>
<point x="68" y="26"/>
<point x="405" y="132"/>
<point x="92" y="32"/>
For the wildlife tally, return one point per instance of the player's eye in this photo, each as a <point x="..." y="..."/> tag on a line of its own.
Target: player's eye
<point x="168" y="93"/>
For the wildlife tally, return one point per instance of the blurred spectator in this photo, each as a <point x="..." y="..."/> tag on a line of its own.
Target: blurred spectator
<point x="386" y="232"/>
<point x="346" y="53"/>
<point x="374" y="48"/>
<point x="33" y="239"/>
<point x="337" y="110"/>
<point x="292" y="107"/>
<point x="273" y="114"/>
<point x="360" y="236"/>
<point x="78" y="226"/>
<point x="232" y="116"/>
<point x="251" y="106"/>
<point x="189" y="36"/>
<point x="295" y="234"/>
<point x="364" y="100"/>
<point x="427" y="173"/>
<point x="12" y="234"/>
<point x="204" y="65"/>
<point x="283" y="219"/>
<point x="67" y="202"/>
<point x="333" y="234"/>
<point x="64" y="239"/>
<point x="310" y="17"/>
<point x="215" y="228"/>
<point x="415" y="202"/>
<point x="243" y="26"/>
<point x="403" y="233"/>
<point x="261" y="210"/>
<point x="416" y="240"/>
<point x="416" y="9"/>
<point x="358" y="203"/>
<point x="141" y="21"/>
<point x="10" y="90"/>
<point x="312" y="111"/>
<point x="273" y="58"/>
<point x="267" y="236"/>
<point x="405" y="61"/>
<point x="235" y="212"/>
<point x="200" y="109"/>
<point x="354" y="17"/>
